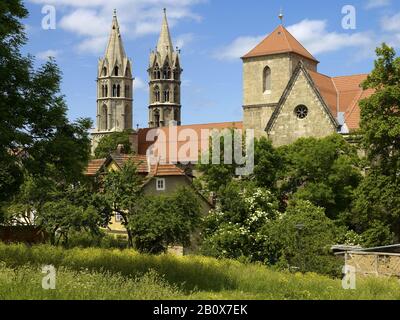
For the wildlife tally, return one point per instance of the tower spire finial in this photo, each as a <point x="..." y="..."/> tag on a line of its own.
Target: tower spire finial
<point x="281" y="16"/>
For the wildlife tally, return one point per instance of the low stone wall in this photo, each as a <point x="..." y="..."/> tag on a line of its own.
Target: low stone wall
<point x="379" y="264"/>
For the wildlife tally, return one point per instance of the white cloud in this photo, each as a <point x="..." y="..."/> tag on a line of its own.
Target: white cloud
<point x="45" y="55"/>
<point x="238" y="48"/>
<point x="312" y="34"/>
<point x="139" y="84"/>
<point x="184" y="39"/>
<point x="391" y="23"/>
<point x="373" y="4"/>
<point x="91" y="19"/>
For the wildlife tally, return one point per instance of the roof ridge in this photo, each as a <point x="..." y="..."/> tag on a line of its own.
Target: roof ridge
<point x="320" y="73"/>
<point x="351" y="75"/>
<point x="297" y="42"/>
<point x="285" y="35"/>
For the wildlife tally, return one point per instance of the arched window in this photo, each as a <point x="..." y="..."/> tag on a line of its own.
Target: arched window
<point x="116" y="71"/>
<point x="267" y="80"/>
<point x="118" y="91"/>
<point x="114" y="91"/>
<point x="166" y="95"/>
<point x="176" y="115"/>
<point x="106" y="91"/>
<point x="127" y="91"/>
<point x="165" y="71"/>
<point x="156" y="94"/>
<point x="168" y="73"/>
<point x="104" y="72"/>
<point x="102" y="91"/>
<point x="104" y="118"/>
<point x="157" y="73"/>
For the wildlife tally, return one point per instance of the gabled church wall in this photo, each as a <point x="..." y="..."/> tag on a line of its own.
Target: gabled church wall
<point x="287" y="127"/>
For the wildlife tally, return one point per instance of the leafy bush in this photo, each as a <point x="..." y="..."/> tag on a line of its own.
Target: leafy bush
<point x="163" y="221"/>
<point x="302" y="239"/>
<point x="377" y="235"/>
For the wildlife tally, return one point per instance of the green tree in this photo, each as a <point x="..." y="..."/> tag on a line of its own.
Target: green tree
<point x="378" y="234"/>
<point x="163" y="221"/>
<point x="221" y="169"/>
<point x="110" y="143"/>
<point x="378" y="196"/>
<point x="72" y="209"/>
<point x="380" y="113"/>
<point x="35" y="134"/>
<point x="324" y="171"/>
<point x="123" y="190"/>
<point x="302" y="239"/>
<point x="267" y="163"/>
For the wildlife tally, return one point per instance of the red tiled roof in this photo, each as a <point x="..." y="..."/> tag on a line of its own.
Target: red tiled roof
<point x="159" y="170"/>
<point x="164" y="170"/>
<point x="343" y="94"/>
<point x="139" y="160"/>
<point x="94" y="166"/>
<point x="200" y="141"/>
<point x="279" y="41"/>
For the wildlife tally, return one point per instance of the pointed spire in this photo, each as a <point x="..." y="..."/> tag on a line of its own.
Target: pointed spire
<point x="115" y="48"/>
<point x="165" y="46"/>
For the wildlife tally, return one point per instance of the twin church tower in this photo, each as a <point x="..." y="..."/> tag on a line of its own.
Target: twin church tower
<point x="115" y="84"/>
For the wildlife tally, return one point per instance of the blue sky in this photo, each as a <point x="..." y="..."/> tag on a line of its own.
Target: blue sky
<point x="213" y="34"/>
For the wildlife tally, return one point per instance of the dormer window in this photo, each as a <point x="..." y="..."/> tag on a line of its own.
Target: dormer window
<point x="116" y="71"/>
<point x="104" y="72"/>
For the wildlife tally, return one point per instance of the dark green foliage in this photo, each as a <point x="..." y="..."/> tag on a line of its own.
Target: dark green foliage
<point x="323" y="171"/>
<point x="163" y="221"/>
<point x="378" y="196"/>
<point x="122" y="191"/>
<point x="267" y="164"/>
<point x="302" y="240"/>
<point x="35" y="134"/>
<point x="377" y="235"/>
<point x="110" y="143"/>
<point x="380" y="113"/>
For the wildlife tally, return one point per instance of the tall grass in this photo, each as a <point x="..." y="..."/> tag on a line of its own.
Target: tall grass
<point x="196" y="277"/>
<point x="24" y="283"/>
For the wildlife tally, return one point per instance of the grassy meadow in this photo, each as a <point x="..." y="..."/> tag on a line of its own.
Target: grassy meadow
<point x="128" y="275"/>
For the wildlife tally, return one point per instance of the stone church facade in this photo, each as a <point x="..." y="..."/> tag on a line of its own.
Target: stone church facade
<point x="284" y="96"/>
<point x="114" y="88"/>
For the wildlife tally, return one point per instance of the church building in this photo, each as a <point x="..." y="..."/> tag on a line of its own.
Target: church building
<point x="284" y="96"/>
